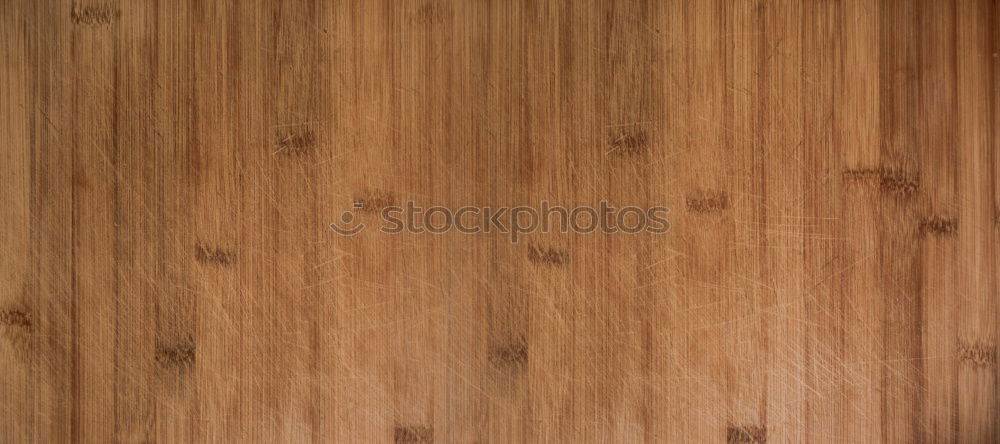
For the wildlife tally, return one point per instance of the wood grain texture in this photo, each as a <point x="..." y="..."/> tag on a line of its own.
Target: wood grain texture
<point x="170" y="169"/>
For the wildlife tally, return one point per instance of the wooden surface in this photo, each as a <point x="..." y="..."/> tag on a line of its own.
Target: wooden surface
<point x="170" y="168"/>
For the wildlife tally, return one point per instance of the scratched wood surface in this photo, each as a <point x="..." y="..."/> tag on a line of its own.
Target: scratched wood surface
<point x="170" y="168"/>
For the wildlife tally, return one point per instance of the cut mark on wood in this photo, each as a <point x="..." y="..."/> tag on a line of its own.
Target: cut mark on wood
<point x="977" y="354"/>
<point x="708" y="201"/>
<point x="374" y="202"/>
<point x="746" y="433"/>
<point x="889" y="181"/>
<point x="510" y="356"/>
<point x="94" y="15"/>
<point x="413" y="434"/>
<point x="214" y="256"/>
<point x="296" y="141"/>
<point x="547" y="256"/>
<point x="175" y="355"/>
<point x="628" y="141"/>
<point x="939" y="226"/>
<point x="15" y="318"/>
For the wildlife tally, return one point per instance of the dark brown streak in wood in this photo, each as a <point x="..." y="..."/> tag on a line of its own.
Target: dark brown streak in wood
<point x="746" y="434"/>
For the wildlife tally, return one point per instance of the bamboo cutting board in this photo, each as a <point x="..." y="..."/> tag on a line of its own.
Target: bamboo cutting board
<point x="175" y="174"/>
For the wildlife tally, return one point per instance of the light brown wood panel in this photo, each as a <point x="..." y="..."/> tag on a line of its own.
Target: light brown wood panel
<point x="171" y="170"/>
